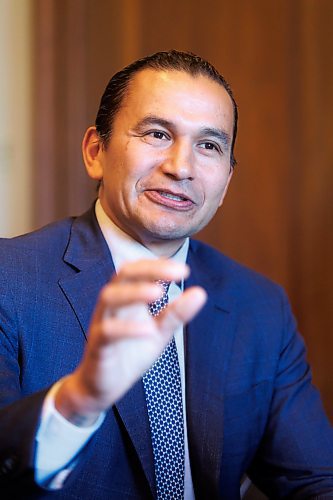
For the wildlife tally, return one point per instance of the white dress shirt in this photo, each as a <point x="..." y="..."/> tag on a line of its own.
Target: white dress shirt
<point x="58" y="441"/>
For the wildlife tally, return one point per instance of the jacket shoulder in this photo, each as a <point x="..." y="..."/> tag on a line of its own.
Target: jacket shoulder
<point x="236" y="278"/>
<point x="40" y="238"/>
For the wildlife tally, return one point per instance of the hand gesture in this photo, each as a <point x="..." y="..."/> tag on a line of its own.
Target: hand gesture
<point x="124" y="339"/>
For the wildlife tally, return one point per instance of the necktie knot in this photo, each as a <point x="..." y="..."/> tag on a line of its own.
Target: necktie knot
<point x="158" y="305"/>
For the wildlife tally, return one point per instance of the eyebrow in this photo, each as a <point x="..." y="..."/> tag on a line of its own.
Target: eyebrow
<point x="154" y="120"/>
<point x="218" y="133"/>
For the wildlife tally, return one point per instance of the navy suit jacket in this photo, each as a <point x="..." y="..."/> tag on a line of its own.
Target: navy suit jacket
<point x="250" y="403"/>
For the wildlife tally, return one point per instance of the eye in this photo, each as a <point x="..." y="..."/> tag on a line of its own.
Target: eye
<point x="158" y="135"/>
<point x="155" y="137"/>
<point x="211" y="146"/>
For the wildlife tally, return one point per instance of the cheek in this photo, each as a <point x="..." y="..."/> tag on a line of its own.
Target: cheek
<point x="215" y="189"/>
<point x="133" y="168"/>
<point x="224" y="186"/>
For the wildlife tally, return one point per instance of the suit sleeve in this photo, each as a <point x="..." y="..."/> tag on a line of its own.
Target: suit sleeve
<point x="19" y="416"/>
<point x="21" y="412"/>
<point x="295" y="458"/>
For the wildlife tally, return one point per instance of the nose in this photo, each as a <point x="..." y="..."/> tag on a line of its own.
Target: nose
<point x="179" y="161"/>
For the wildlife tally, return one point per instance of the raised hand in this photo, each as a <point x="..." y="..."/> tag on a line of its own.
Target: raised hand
<point x="124" y="339"/>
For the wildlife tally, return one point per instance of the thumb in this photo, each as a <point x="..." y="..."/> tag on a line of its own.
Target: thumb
<point x="182" y="310"/>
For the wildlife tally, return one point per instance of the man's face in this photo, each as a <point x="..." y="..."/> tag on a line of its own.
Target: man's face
<point x="166" y="168"/>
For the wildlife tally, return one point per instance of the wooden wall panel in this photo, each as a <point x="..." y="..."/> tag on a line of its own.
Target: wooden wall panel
<point x="314" y="267"/>
<point x="60" y="99"/>
<point x="277" y="56"/>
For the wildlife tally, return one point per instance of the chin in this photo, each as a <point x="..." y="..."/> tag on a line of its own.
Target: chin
<point x="167" y="228"/>
<point x="169" y="232"/>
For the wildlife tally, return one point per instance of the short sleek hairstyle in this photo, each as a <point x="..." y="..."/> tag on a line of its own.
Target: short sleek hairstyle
<point x="172" y="60"/>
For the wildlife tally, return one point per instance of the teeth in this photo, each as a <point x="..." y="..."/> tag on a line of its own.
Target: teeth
<point x="172" y="196"/>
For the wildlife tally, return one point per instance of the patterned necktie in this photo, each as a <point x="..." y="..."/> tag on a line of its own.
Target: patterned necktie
<point x="162" y="386"/>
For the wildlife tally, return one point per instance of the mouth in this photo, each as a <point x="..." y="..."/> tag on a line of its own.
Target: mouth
<point x="170" y="199"/>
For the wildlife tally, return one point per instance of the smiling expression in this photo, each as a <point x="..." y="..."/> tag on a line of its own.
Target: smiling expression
<point x="166" y="168"/>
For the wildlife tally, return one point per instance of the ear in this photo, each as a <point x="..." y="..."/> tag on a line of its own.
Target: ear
<point x="92" y="151"/>
<point x="226" y="186"/>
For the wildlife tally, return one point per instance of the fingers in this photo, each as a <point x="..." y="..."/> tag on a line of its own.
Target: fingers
<point x="183" y="309"/>
<point x="134" y="321"/>
<point x="122" y="312"/>
<point x="136" y="283"/>
<point x="113" y="329"/>
<point x="118" y="295"/>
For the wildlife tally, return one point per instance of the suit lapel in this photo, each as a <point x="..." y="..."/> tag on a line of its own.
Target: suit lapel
<point x="133" y="412"/>
<point x="82" y="291"/>
<point x="89" y="254"/>
<point x="209" y="340"/>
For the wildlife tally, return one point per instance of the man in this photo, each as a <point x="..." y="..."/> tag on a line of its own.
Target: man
<point x="103" y="418"/>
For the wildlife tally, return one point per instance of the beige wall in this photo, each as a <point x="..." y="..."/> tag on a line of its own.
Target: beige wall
<point x="15" y="117"/>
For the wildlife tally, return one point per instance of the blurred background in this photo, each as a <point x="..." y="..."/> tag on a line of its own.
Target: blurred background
<point x="56" y="58"/>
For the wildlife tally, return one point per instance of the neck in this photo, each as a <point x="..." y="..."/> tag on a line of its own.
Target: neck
<point x="163" y="248"/>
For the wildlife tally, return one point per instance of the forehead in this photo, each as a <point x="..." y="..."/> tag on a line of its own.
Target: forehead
<point x="177" y="95"/>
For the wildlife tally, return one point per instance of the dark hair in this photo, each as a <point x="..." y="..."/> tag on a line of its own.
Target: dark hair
<point x="172" y="60"/>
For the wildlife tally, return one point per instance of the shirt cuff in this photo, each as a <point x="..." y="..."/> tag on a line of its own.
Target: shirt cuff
<point x="58" y="441"/>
